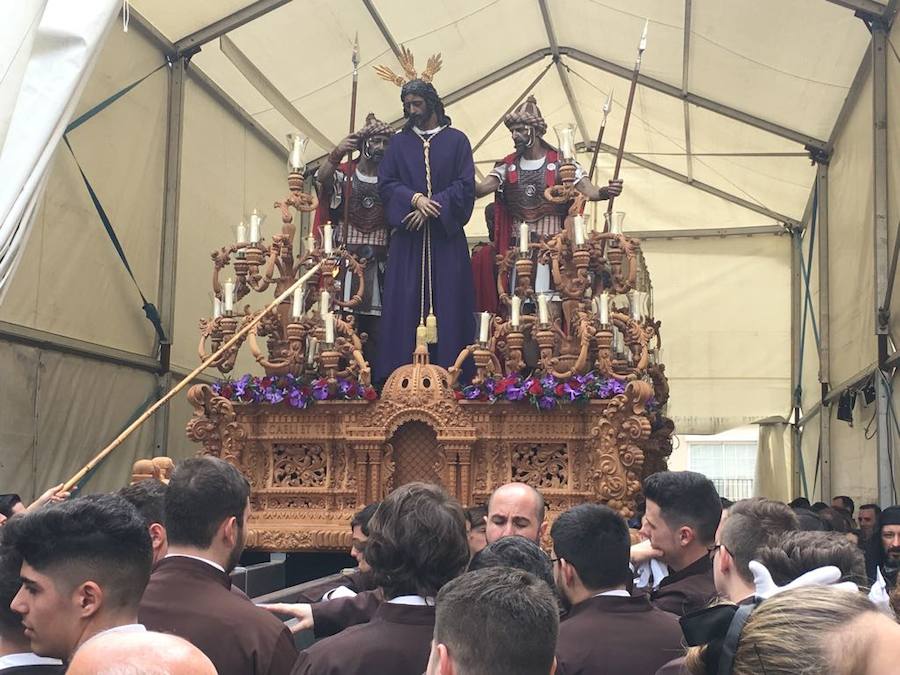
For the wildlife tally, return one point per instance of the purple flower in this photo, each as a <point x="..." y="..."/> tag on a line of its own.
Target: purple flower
<point x="344" y="386"/>
<point x="546" y="403"/>
<point x="548" y="382"/>
<point x="471" y="393"/>
<point x="515" y="393"/>
<point x="320" y="390"/>
<point x="573" y="388"/>
<point x="274" y="395"/>
<point x="297" y="399"/>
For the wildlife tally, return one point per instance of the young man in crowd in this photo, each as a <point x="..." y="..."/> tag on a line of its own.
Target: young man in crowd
<point x="868" y="522"/>
<point x="516" y="552"/>
<point x="149" y="498"/>
<point x="683" y="513"/>
<point x="85" y="564"/>
<point x="500" y="621"/>
<point x="476" y="524"/>
<point x="590" y="552"/>
<point x="410" y="570"/>
<point x="189" y="594"/>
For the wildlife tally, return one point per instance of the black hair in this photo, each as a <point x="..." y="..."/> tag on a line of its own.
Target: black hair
<point x="362" y="517"/>
<point x="149" y="498"/>
<point x="810" y="521"/>
<point x="873" y="507"/>
<point x="795" y="553"/>
<point x="476" y="515"/>
<point x="202" y="493"/>
<point x="501" y="621"/>
<point x="98" y="538"/>
<point x="427" y="91"/>
<point x="417" y="541"/>
<point x="8" y="502"/>
<point x="686" y="498"/>
<point x="517" y="552"/>
<point x="594" y="540"/>
<point x="847" y="503"/>
<point x="10" y="621"/>
<point x="799" y="503"/>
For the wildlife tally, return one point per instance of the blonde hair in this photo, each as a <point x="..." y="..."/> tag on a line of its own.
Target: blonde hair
<point x="792" y="633"/>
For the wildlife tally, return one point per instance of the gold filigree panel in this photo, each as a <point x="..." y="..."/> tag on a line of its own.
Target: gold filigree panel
<point x="299" y="465"/>
<point x="541" y="465"/>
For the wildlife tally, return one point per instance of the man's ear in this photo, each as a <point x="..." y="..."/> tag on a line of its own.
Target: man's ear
<point x="553" y="667"/>
<point x="570" y="574"/>
<point x="229" y="531"/>
<point x="542" y="531"/>
<point x="726" y="561"/>
<point x="686" y="535"/>
<point x="88" y="598"/>
<point x="158" y="538"/>
<point x="445" y="665"/>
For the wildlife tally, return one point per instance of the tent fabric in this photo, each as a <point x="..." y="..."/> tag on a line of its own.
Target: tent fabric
<point x="63" y="52"/>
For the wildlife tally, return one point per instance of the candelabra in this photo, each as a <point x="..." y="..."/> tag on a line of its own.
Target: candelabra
<point x="304" y="337"/>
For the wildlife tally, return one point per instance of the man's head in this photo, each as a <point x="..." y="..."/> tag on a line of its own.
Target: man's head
<point x="11" y="505"/>
<point x="417" y="541"/>
<point x="516" y="552"/>
<point x="374" y="138"/>
<point x="843" y="502"/>
<point x="591" y="546"/>
<point x="422" y="106"/>
<point x="149" y="498"/>
<point x="889" y="537"/>
<point x="12" y="633"/>
<point x="207" y="505"/>
<point x="794" y="553"/>
<point x="85" y="564"/>
<point x="359" y="528"/>
<point x="476" y="524"/>
<point x="683" y="512"/>
<point x="526" y="125"/>
<point x="500" y="621"/>
<point x="139" y="652"/>
<point x="515" y="508"/>
<point x="868" y="519"/>
<point x="750" y="524"/>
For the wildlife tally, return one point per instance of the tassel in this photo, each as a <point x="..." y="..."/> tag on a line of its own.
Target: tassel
<point x="431" y="334"/>
<point x="421" y="333"/>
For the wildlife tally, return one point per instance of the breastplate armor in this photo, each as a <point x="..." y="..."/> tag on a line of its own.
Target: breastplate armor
<point x="366" y="211"/>
<point x="525" y="198"/>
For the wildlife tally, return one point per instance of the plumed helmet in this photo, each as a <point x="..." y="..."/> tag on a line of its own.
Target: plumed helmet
<point x="527" y="113"/>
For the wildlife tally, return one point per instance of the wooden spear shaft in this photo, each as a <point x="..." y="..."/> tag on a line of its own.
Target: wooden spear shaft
<point x="599" y="137"/>
<point x="345" y="226"/>
<point x="69" y="484"/>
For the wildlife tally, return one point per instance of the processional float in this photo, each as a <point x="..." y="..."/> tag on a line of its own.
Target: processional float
<point x="568" y="393"/>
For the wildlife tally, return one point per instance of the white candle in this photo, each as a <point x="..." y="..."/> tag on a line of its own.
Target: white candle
<point x="329" y="328"/>
<point x="311" y="350"/>
<point x="228" y="295"/>
<point x="310" y="244"/>
<point x="634" y="302"/>
<point x="604" y="308"/>
<point x="217" y="307"/>
<point x="297" y="309"/>
<point x="324" y="304"/>
<point x="579" y="230"/>
<point x="543" y="309"/>
<point x="523" y="238"/>
<point x="255" y="221"/>
<point x="485" y="324"/>
<point x="326" y="237"/>
<point x="516" y="311"/>
<point x="242" y="233"/>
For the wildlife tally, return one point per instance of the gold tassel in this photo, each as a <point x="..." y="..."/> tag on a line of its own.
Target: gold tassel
<point x="421" y="335"/>
<point x="431" y="335"/>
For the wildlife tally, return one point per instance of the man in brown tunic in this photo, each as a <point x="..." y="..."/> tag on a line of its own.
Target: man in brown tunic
<point x="417" y="543"/>
<point x="206" y="509"/>
<point x="683" y="513"/>
<point x="607" y="630"/>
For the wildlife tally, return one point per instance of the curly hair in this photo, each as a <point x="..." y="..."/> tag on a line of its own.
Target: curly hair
<point x="417" y="541"/>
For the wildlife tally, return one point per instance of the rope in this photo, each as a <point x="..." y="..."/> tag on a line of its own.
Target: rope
<point x="427" y="325"/>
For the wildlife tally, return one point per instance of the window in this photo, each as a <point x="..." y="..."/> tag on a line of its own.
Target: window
<point x="731" y="466"/>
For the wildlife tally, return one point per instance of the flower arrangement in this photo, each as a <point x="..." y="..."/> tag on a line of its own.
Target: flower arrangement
<point x="545" y="393"/>
<point x="292" y="390"/>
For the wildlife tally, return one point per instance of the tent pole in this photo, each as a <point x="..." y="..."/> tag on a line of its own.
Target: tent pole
<point x="796" y="299"/>
<point x="169" y="243"/>
<point x="824" y="330"/>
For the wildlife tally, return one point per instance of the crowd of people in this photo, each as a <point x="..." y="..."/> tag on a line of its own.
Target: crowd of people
<point x="138" y="582"/>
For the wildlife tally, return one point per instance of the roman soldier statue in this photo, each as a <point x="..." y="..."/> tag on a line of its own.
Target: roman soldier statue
<point x="348" y="198"/>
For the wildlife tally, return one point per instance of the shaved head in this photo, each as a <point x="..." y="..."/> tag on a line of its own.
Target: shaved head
<point x="144" y="653"/>
<point x="515" y="509"/>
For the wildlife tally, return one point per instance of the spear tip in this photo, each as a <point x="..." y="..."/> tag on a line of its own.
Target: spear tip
<point x="356" y="49"/>
<point x="643" y="43"/>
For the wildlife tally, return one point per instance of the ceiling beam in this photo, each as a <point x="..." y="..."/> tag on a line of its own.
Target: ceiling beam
<point x="224" y="25"/>
<point x="685" y="74"/>
<point x="699" y="101"/>
<point x="271" y="93"/>
<point x="704" y="187"/>
<point x="706" y="233"/>
<point x="382" y="27"/>
<point x="563" y="73"/>
<point x="870" y="8"/>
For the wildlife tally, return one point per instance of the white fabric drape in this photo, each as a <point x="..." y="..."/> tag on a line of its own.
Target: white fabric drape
<point x="38" y="99"/>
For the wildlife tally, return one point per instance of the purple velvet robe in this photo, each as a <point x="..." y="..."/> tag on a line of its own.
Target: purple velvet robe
<point x="400" y="175"/>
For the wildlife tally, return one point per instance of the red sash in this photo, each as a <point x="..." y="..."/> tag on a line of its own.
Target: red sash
<point x="502" y="217"/>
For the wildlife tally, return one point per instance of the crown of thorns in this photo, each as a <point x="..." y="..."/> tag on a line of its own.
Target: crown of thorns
<point x="407" y="62"/>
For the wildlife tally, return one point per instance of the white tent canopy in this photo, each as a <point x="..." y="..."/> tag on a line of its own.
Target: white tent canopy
<point x="733" y="100"/>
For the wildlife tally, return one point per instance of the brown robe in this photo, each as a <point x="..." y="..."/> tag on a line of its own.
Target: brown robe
<point x="333" y="616"/>
<point x="397" y="641"/>
<point x="193" y="600"/>
<point x="353" y="579"/>
<point x="687" y="590"/>
<point x="609" y="635"/>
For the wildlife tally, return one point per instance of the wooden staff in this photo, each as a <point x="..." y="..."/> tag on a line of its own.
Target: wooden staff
<point x="355" y="58"/>
<point x="600" y="136"/>
<point x="634" y="78"/>
<point x="69" y="484"/>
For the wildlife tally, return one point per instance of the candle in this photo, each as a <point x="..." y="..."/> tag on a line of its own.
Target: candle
<point x="543" y="309"/>
<point x="311" y="350"/>
<point x="297" y="309"/>
<point x="324" y="304"/>
<point x="329" y="328"/>
<point x="242" y="233"/>
<point x="217" y="307"/>
<point x="255" y="221"/>
<point x="516" y="311"/>
<point x="228" y="295"/>
<point x="326" y="237"/>
<point x="604" y="308"/>
<point x="579" y="230"/>
<point x="634" y="302"/>
<point x="310" y="243"/>
<point x="523" y="238"/>
<point x="485" y="324"/>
